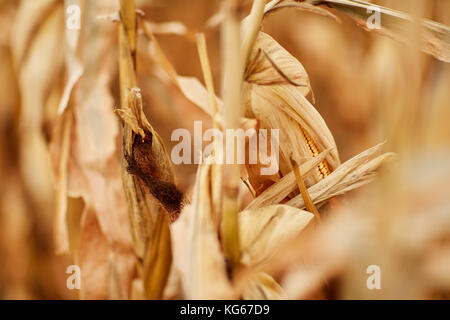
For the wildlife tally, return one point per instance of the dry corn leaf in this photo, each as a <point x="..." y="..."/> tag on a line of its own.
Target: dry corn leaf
<point x="93" y="259"/>
<point x="263" y="230"/>
<point x="416" y="225"/>
<point x="137" y="290"/>
<point x="271" y="64"/>
<point x="35" y="79"/>
<point x="30" y="16"/>
<point x="190" y="87"/>
<point x="89" y="166"/>
<point x="106" y="272"/>
<point x="94" y="149"/>
<point x="435" y="37"/>
<point x="263" y="287"/>
<point x="197" y="254"/>
<point x="352" y="174"/>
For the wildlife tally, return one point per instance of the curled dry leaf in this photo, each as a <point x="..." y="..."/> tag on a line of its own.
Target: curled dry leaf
<point x="274" y="93"/>
<point x="352" y="174"/>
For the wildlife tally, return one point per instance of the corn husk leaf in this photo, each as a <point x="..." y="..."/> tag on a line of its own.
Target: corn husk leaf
<point x="263" y="230"/>
<point x="263" y="287"/>
<point x="274" y="94"/>
<point x="281" y="189"/>
<point x="352" y="174"/>
<point x="197" y="254"/>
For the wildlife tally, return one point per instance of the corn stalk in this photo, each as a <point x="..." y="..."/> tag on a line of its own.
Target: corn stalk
<point x="149" y="223"/>
<point x="236" y="53"/>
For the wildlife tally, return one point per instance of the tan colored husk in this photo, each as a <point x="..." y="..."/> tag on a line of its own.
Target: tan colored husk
<point x="263" y="287"/>
<point x="274" y="93"/>
<point x="263" y="230"/>
<point x="352" y="174"/>
<point x="282" y="188"/>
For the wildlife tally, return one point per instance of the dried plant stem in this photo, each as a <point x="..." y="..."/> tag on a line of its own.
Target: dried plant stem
<point x="151" y="239"/>
<point x="126" y="65"/>
<point x="304" y="191"/>
<point x="128" y="18"/>
<point x="216" y="173"/>
<point x="233" y="71"/>
<point x="128" y="80"/>
<point x="251" y="26"/>
<point x="235" y="56"/>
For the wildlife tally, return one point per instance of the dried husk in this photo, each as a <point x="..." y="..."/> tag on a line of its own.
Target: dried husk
<point x="263" y="230"/>
<point x="354" y="173"/>
<point x="274" y="89"/>
<point x="263" y="287"/>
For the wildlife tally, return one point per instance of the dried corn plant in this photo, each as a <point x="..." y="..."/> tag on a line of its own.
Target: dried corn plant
<point x="91" y="92"/>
